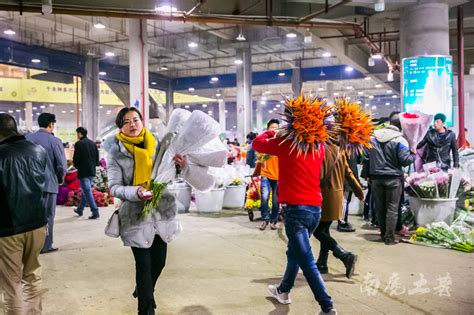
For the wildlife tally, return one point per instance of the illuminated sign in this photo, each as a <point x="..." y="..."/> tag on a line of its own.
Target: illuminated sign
<point x="427" y="84"/>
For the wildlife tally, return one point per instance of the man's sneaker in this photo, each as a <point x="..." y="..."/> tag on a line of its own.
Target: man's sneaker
<point x="345" y="227"/>
<point x="79" y="213"/>
<point x="273" y="226"/>
<point x="331" y="312"/>
<point x="283" y="298"/>
<point x="94" y="217"/>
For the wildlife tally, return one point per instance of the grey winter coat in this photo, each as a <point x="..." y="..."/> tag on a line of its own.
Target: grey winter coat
<point x="134" y="230"/>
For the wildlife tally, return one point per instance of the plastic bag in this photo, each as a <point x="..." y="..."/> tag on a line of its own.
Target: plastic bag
<point x="177" y="119"/>
<point x="415" y="126"/>
<point x="212" y="154"/>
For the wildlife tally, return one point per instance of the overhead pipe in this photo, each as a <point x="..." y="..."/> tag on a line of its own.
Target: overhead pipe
<point x="196" y="6"/>
<point x="462" y="133"/>
<point x="319" y="12"/>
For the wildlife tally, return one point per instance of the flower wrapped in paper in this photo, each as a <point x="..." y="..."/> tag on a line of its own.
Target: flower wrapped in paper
<point x="355" y="126"/>
<point x="310" y="122"/>
<point x="415" y="125"/>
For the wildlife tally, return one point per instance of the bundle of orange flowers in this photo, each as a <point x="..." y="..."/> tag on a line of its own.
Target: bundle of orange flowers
<point x="356" y="126"/>
<point x="308" y="123"/>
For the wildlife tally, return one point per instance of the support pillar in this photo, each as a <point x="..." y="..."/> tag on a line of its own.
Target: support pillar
<point x="169" y="102"/>
<point x="29" y="116"/>
<point x="296" y="80"/>
<point x="222" y="116"/>
<point x="138" y="60"/>
<point x="90" y="98"/>
<point x="330" y="92"/>
<point x="244" y="93"/>
<point x="259" y="116"/>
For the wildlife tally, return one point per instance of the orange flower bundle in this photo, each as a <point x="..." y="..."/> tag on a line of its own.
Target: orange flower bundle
<point x="356" y="126"/>
<point x="308" y="123"/>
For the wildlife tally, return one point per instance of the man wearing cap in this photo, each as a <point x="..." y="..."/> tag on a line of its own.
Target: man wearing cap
<point x="86" y="158"/>
<point x="440" y="142"/>
<point x="54" y="147"/>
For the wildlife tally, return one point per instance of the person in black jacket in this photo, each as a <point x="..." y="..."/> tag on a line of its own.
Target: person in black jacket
<point x="24" y="167"/>
<point x="86" y="158"/>
<point x="440" y="142"/>
<point x="388" y="155"/>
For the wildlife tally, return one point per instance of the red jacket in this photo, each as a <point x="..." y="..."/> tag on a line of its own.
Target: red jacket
<point x="298" y="180"/>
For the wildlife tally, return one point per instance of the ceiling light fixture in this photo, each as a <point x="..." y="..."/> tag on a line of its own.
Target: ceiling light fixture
<point x="102" y="73"/>
<point x="367" y="78"/>
<point x="35" y="60"/>
<point x="389" y="91"/>
<point x="308" y="37"/>
<point x="240" y="37"/>
<point x="320" y="89"/>
<point x="326" y="54"/>
<point x="268" y="92"/>
<point x="192" y="44"/>
<point x="166" y="8"/>
<point x="270" y="111"/>
<point x="378" y="85"/>
<point x="349" y="69"/>
<point x="186" y="106"/>
<point x="47" y="7"/>
<point x="336" y="93"/>
<point x="394" y="96"/>
<point x="191" y="89"/>
<point x="238" y="61"/>
<point x="51" y="105"/>
<point x="42" y="106"/>
<point x="377" y="56"/>
<point x="371" y="96"/>
<point x="390" y="76"/>
<point x="371" y="62"/>
<point x="99" y="25"/>
<point x="291" y="35"/>
<point x="360" y="93"/>
<point x="204" y="105"/>
<point x="264" y="98"/>
<point x="214" y="79"/>
<point x="281" y="74"/>
<point x="163" y="67"/>
<point x="263" y="102"/>
<point x="109" y="54"/>
<point x="218" y="94"/>
<point x="379" y="5"/>
<point x="374" y="107"/>
<point x="322" y="74"/>
<point x="153" y="83"/>
<point x="387" y="103"/>
<point x="9" y="32"/>
<point x="349" y="87"/>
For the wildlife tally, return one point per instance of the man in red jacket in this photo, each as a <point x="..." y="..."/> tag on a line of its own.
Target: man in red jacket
<point x="300" y="194"/>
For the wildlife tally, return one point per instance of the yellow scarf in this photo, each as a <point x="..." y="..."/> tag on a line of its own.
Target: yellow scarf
<point x="142" y="157"/>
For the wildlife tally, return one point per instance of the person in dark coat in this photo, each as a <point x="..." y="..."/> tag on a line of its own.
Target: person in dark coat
<point x="334" y="172"/>
<point x="24" y="167"/>
<point x="343" y="225"/>
<point x="251" y="157"/>
<point x="440" y="144"/>
<point x="54" y="147"/>
<point x="86" y="158"/>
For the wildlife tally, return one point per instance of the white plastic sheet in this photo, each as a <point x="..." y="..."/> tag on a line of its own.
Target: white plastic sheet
<point x="415" y="129"/>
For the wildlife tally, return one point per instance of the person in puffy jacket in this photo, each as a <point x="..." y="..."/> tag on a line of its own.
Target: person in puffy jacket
<point x="440" y="144"/>
<point x="24" y="169"/>
<point x="130" y="158"/>
<point x="388" y="155"/>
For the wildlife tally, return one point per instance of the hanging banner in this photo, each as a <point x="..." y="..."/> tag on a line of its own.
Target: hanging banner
<point x="427" y="85"/>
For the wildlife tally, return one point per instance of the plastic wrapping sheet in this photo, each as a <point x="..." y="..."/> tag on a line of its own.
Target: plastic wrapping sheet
<point x="212" y="154"/>
<point x="199" y="178"/>
<point x="415" y="128"/>
<point x="177" y="119"/>
<point x="197" y="131"/>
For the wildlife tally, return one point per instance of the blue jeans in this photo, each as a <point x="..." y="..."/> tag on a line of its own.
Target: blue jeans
<point x="300" y="223"/>
<point x="267" y="185"/>
<point x="87" y="197"/>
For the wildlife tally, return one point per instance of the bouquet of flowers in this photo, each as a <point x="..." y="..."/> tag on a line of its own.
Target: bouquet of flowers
<point x="310" y="123"/>
<point x="415" y="126"/>
<point x="355" y="126"/>
<point x="434" y="185"/>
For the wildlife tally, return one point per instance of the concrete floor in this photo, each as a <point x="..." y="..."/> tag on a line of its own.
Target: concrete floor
<point x="222" y="264"/>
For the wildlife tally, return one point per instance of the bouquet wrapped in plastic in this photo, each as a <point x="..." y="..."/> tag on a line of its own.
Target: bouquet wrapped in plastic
<point x="310" y="123"/>
<point x="355" y="126"/>
<point x="415" y="126"/>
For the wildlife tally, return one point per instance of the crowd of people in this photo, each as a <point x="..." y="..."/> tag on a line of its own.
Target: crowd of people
<point x="309" y="188"/>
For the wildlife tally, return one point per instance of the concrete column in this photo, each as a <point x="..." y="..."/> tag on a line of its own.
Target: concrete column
<point x="296" y="80"/>
<point x="169" y="102"/>
<point x="29" y="116"/>
<point x="90" y="98"/>
<point x="424" y="29"/>
<point x="259" y="116"/>
<point x="222" y="116"/>
<point x="330" y="92"/>
<point x="244" y="93"/>
<point x="138" y="60"/>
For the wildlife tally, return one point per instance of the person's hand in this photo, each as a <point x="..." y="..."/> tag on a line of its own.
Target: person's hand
<point x="361" y="197"/>
<point x="413" y="150"/>
<point x="180" y="160"/>
<point x="141" y="192"/>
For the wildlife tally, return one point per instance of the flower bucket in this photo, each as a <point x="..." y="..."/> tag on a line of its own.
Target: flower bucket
<point x="234" y="196"/>
<point x="211" y="201"/>
<point x="182" y="193"/>
<point x="428" y="211"/>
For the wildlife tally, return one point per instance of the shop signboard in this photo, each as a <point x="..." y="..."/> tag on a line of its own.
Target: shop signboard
<point x="427" y="84"/>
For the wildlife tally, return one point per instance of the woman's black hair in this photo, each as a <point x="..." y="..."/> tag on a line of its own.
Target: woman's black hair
<point x="121" y="115"/>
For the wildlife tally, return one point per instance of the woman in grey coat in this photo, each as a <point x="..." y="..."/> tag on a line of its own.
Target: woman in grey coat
<point x="130" y="157"/>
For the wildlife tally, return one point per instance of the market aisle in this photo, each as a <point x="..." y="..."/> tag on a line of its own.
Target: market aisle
<point x="223" y="265"/>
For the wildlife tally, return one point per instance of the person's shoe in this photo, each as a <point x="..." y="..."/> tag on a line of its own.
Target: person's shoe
<point x="79" y="213"/>
<point x="263" y="226"/>
<point x="273" y="226"/>
<point x="345" y="227"/>
<point x="390" y="242"/>
<point x="348" y="258"/>
<point x="331" y="312"/>
<point x="322" y="262"/>
<point x="52" y="249"/>
<point x="94" y="217"/>
<point x="282" y="298"/>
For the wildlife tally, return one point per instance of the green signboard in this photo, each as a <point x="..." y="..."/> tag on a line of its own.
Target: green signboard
<point x="427" y="84"/>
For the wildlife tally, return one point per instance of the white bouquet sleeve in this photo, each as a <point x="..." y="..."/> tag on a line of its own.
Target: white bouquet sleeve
<point x="177" y="119"/>
<point x="415" y="126"/>
<point x="196" y="132"/>
<point x="212" y="154"/>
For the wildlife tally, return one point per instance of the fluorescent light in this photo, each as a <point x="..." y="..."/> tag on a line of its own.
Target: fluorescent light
<point x="367" y="78"/>
<point x="37" y="113"/>
<point x="195" y="95"/>
<point x="371" y="96"/>
<point x="51" y="105"/>
<point x="264" y="98"/>
<point x="102" y="73"/>
<point x="277" y="105"/>
<point x="349" y="69"/>
<point x="378" y="85"/>
<point x="109" y="54"/>
<point x="282" y="101"/>
<point x="108" y="113"/>
<point x="204" y="105"/>
<point x="100" y="107"/>
<point x="220" y="100"/>
<point x="374" y="107"/>
<point x="371" y="62"/>
<point x="336" y="93"/>
<point x="377" y="56"/>
<point x="240" y="37"/>
<point x="214" y="79"/>
<point x="349" y="87"/>
<point x="163" y="67"/>
<point x="34" y="108"/>
<point x="394" y="96"/>
<point x="359" y="102"/>
<point x="263" y="102"/>
<point x="226" y="111"/>
<point x="367" y="104"/>
<point x="360" y="93"/>
<point x="186" y="106"/>
<point x="291" y="35"/>
<point x="80" y="109"/>
<point x="191" y="89"/>
<point x="153" y="83"/>
<point x="35" y="60"/>
<point x="17" y="111"/>
<point x="326" y="54"/>
<point x="9" y="32"/>
<point x="238" y="61"/>
<point x="71" y="111"/>
<point x="166" y="9"/>
<point x="210" y="112"/>
<point x="379" y="6"/>
<point x="218" y="94"/>
<point x="320" y="89"/>
<point x="268" y="92"/>
<point x="192" y="45"/>
<point x="281" y="74"/>
<point x="270" y="111"/>
<point x="63" y="111"/>
<point x="42" y="106"/>
<point x="10" y="111"/>
<point x="99" y="25"/>
<point x="389" y="91"/>
<point x="387" y="103"/>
